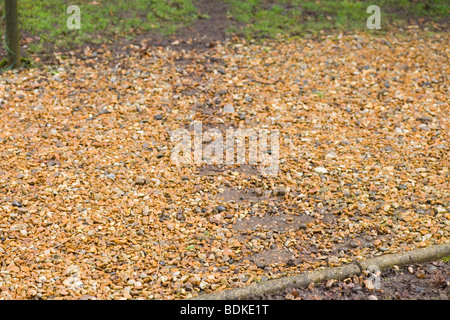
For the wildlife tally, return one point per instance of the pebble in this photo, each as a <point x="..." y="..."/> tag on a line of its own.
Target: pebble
<point x="22" y="210"/>
<point x="16" y="203"/>
<point x="203" y="285"/>
<point x="146" y="146"/>
<point x="221" y="208"/>
<point x="441" y="209"/>
<point x="330" y="283"/>
<point x="356" y="288"/>
<point x="158" y="117"/>
<point x="320" y="170"/>
<point x="419" y="289"/>
<point x="280" y="191"/>
<point x="140" y="181"/>
<point x="228" y="108"/>
<point x="302" y="226"/>
<point x="354" y="244"/>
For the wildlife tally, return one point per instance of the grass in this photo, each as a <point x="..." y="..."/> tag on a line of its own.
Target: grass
<point x="100" y="20"/>
<point x="43" y="23"/>
<point x="262" y="18"/>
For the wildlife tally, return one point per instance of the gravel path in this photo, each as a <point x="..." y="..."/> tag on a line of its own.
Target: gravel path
<point x="92" y="203"/>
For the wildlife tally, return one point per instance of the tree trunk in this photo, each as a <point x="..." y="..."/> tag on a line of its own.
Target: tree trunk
<point x="12" y="33"/>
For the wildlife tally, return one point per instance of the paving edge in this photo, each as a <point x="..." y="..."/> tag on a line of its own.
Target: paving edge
<point x="431" y="253"/>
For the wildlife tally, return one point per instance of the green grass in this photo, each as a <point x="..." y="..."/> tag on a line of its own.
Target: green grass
<point x="446" y="259"/>
<point x="47" y="20"/>
<point x="261" y="18"/>
<point x="44" y="22"/>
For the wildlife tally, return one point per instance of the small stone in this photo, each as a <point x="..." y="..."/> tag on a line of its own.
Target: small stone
<point x="424" y="119"/>
<point x="258" y="192"/>
<point x="118" y="192"/>
<point x="217" y="219"/>
<point x="111" y="176"/>
<point x="330" y="283"/>
<point x="354" y="244"/>
<point x="369" y="284"/>
<point x="126" y="294"/>
<point x="16" y="203"/>
<point x="248" y="99"/>
<point x="420" y="274"/>
<point x="228" y="108"/>
<point x="140" y="181"/>
<point x="146" y="146"/>
<point x="441" y="209"/>
<point x="203" y="285"/>
<point x="22" y="210"/>
<point x="279" y="191"/>
<point x="260" y="265"/>
<point x="372" y="297"/>
<point x="221" y="208"/>
<point x="164" y="216"/>
<point x="302" y="226"/>
<point x="188" y="287"/>
<point x="320" y="170"/>
<point x="419" y="289"/>
<point x="356" y="288"/>
<point x="158" y="117"/>
<point x="401" y="187"/>
<point x="180" y="215"/>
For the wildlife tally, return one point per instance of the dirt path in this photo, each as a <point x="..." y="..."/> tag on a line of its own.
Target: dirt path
<point x="429" y="281"/>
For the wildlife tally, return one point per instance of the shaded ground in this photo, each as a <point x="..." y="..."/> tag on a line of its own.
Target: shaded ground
<point x="430" y="281"/>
